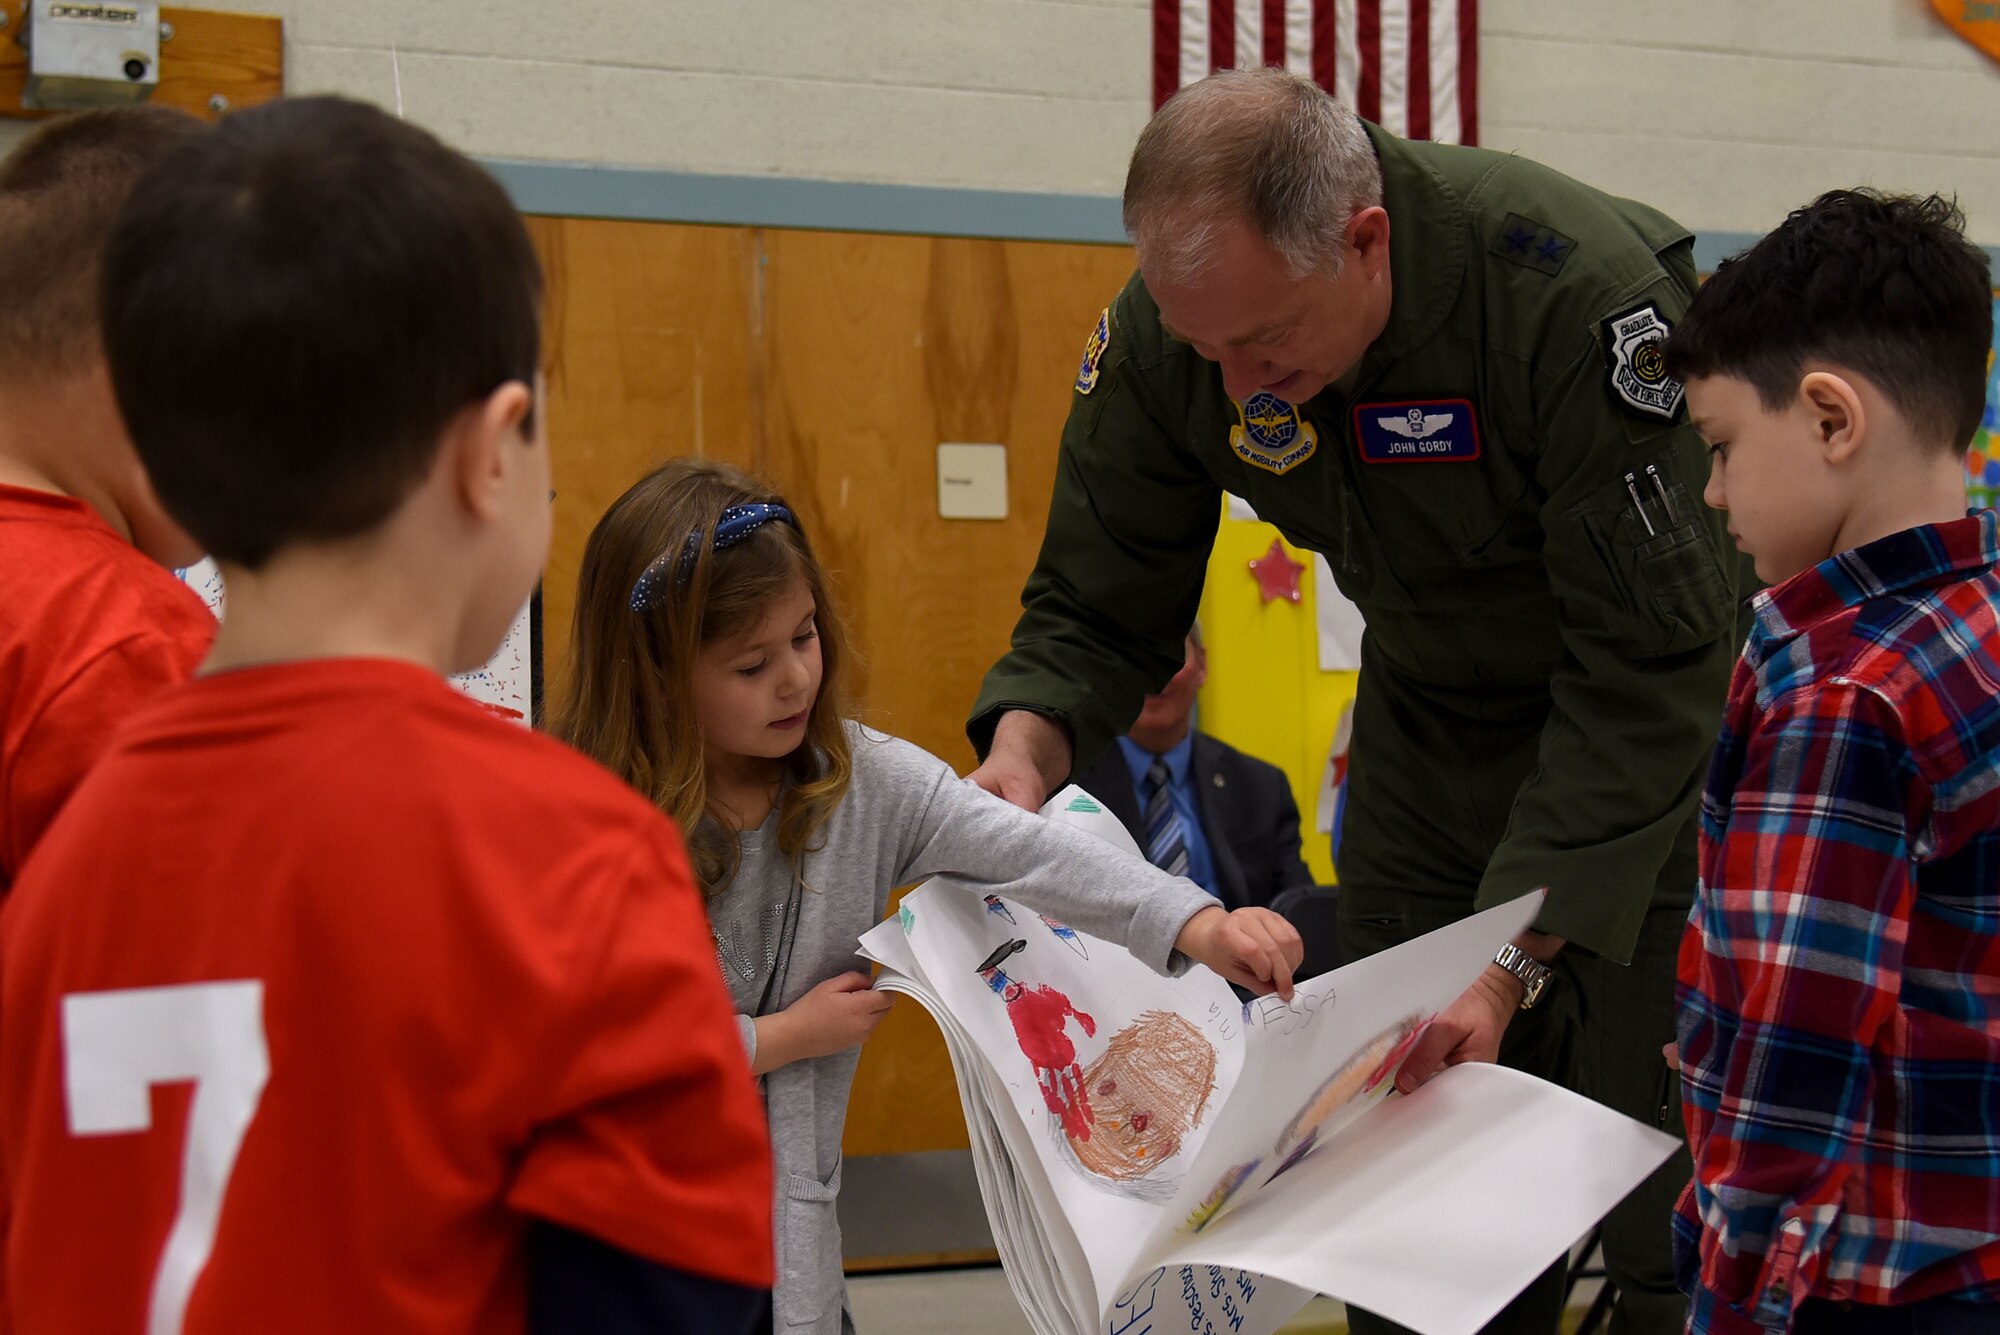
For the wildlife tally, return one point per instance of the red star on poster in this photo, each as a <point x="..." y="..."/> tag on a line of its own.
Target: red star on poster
<point x="1277" y="574"/>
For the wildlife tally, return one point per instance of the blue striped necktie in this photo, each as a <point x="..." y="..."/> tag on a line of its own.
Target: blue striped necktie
<point x="1166" y="835"/>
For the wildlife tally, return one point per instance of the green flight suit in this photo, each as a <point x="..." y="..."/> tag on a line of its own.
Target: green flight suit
<point x="1507" y="488"/>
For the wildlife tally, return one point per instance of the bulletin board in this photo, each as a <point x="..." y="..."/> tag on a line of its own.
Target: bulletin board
<point x="510" y="684"/>
<point x="1982" y="462"/>
<point x="1267" y="693"/>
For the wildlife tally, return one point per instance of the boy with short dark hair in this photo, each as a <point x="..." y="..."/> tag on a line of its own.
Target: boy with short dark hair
<point x="1840" y="975"/>
<point x="91" y="623"/>
<point x="332" y="1003"/>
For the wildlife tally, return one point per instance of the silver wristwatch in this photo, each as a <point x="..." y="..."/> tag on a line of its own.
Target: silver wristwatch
<point x="1534" y="974"/>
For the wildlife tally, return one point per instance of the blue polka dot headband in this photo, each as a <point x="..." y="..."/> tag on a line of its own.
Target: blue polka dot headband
<point x="735" y="524"/>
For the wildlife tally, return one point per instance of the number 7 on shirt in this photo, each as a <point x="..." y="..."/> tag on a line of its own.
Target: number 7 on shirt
<point x="117" y="1045"/>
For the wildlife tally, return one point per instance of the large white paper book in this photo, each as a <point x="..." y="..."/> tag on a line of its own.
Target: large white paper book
<point x="1156" y="1155"/>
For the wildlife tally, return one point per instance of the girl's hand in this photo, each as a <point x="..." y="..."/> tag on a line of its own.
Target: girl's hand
<point x="1253" y="948"/>
<point x="833" y="1017"/>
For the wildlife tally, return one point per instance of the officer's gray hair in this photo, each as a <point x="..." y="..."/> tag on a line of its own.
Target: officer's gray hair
<point x="1258" y="146"/>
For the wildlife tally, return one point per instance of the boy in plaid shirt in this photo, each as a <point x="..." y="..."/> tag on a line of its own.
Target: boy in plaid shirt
<point x="1840" y="975"/>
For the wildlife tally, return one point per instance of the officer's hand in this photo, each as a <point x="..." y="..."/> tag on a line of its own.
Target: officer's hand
<point x="1253" y="948"/>
<point x="1030" y="756"/>
<point x="1468" y="1030"/>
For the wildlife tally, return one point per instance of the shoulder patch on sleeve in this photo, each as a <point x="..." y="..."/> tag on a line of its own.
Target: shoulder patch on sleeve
<point x="1634" y="344"/>
<point x="1531" y="245"/>
<point x="1093" y="353"/>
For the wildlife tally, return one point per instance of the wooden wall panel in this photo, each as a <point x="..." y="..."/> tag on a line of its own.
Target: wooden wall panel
<point x="650" y="351"/>
<point x="881" y="347"/>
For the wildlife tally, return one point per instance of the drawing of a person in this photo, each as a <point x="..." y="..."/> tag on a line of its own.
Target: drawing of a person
<point x="1362" y="1081"/>
<point x="1065" y="934"/>
<point x="1040" y="1016"/>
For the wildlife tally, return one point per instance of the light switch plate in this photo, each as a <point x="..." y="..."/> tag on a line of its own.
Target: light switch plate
<point x="972" y="481"/>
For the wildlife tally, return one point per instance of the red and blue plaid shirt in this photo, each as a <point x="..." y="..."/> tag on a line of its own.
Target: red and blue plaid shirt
<point x="1840" y="975"/>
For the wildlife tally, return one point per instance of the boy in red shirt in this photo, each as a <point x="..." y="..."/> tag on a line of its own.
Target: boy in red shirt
<point x="91" y="624"/>
<point x="332" y="1003"/>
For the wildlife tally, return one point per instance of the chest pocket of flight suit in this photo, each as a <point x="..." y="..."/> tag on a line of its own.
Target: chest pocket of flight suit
<point x="1672" y="594"/>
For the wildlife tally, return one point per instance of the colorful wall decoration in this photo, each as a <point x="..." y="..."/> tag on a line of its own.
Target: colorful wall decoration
<point x="1266" y="692"/>
<point x="1982" y="462"/>
<point x="510" y="685"/>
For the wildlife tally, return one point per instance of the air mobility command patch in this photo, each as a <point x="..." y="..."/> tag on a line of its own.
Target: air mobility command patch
<point x="1406" y="432"/>
<point x="1531" y="244"/>
<point x="1635" y="343"/>
<point x="1093" y="353"/>
<point x="1271" y="434"/>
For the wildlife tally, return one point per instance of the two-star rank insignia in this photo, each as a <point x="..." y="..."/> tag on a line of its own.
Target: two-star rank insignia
<point x="1271" y="434"/>
<point x="1531" y="245"/>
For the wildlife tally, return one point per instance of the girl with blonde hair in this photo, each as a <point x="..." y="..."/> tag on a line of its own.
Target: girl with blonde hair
<point x="707" y="667"/>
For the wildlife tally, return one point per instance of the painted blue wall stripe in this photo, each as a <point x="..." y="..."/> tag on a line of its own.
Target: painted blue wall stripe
<point x="1711" y="248"/>
<point x="584" y="190"/>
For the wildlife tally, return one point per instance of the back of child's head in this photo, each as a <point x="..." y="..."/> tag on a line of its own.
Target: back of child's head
<point x="1882" y="285"/>
<point x="297" y="305"/>
<point x="60" y="195"/>
<point x="654" y="590"/>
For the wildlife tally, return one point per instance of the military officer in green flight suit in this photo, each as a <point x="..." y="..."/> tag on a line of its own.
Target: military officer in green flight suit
<point x="1440" y="367"/>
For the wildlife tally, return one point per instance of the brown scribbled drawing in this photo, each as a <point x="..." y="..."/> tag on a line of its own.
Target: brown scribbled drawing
<point x="1148" y="1089"/>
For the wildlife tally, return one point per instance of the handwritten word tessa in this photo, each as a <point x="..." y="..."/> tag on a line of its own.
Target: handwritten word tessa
<point x="1286" y="1019"/>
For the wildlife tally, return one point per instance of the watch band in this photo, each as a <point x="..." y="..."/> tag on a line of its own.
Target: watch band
<point x="1534" y="974"/>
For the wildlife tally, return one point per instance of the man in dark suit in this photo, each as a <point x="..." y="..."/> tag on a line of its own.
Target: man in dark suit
<point x="1198" y="806"/>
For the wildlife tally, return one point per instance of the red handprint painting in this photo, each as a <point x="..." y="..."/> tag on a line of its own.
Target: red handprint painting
<point x="1041" y="1016"/>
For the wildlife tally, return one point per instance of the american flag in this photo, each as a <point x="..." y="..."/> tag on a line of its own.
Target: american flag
<point x="1411" y="66"/>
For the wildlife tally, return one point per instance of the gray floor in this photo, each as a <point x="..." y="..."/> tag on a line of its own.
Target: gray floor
<point x="978" y="1302"/>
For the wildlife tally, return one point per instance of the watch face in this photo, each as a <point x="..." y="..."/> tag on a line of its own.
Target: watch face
<point x="1534" y="992"/>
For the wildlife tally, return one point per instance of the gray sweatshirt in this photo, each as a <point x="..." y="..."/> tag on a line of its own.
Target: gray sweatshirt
<point x="906" y="817"/>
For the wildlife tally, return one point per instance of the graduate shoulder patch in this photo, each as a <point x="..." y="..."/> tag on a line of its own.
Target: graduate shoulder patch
<point x="1093" y="353"/>
<point x="1635" y="343"/>
<point x="1271" y="435"/>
